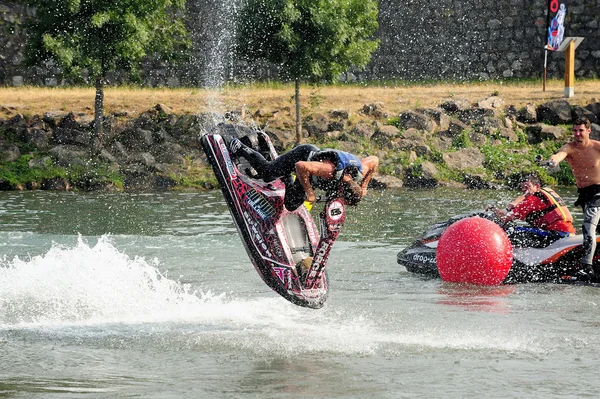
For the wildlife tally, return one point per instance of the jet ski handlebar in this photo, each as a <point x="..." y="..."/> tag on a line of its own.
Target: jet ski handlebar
<point x="539" y="159"/>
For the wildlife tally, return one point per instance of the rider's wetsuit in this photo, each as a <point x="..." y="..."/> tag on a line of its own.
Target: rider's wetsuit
<point x="285" y="164"/>
<point x="589" y="200"/>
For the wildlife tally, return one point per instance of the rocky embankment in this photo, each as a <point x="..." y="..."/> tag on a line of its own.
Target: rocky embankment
<point x="457" y="143"/>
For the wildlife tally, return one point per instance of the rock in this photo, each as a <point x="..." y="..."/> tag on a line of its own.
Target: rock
<point x="5" y="185"/>
<point x="527" y="114"/>
<point x="375" y="110"/>
<point x="385" y="181"/>
<point x="441" y="142"/>
<point x="38" y="137"/>
<point x="437" y="115"/>
<point x="478" y="139"/>
<point x="594" y="108"/>
<point x="68" y="155"/>
<point x="456" y="128"/>
<point x="540" y="132"/>
<point x="317" y="126"/>
<point x="72" y="136"/>
<point x="363" y="130"/>
<point x="579" y="111"/>
<point x="557" y="112"/>
<point x="454" y="106"/>
<point x="17" y="121"/>
<point x="143" y="158"/>
<point x="389" y="131"/>
<point x="506" y="133"/>
<point x="417" y="120"/>
<point x="137" y="139"/>
<point x="595" y="134"/>
<point x="477" y="182"/>
<point x="281" y="139"/>
<point x="335" y="125"/>
<point x="475" y="115"/>
<point x="75" y="122"/>
<point x="421" y="176"/>
<point x="56" y="184"/>
<point x="493" y="102"/>
<point x="464" y="159"/>
<point x="10" y="153"/>
<point x="339" y="114"/>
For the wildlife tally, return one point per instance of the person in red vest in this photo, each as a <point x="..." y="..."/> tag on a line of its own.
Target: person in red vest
<point x="543" y="209"/>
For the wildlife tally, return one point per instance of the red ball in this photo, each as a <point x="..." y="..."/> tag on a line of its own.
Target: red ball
<point x="474" y="250"/>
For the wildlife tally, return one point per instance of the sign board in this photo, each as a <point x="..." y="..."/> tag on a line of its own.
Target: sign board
<point x="576" y="42"/>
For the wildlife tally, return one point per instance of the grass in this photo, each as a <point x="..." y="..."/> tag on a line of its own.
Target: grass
<point x="266" y="98"/>
<point x="274" y="103"/>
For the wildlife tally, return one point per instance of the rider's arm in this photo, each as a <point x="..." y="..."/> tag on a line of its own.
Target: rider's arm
<point x="559" y="156"/>
<point x="369" y="165"/>
<point x="305" y="169"/>
<point x="515" y="202"/>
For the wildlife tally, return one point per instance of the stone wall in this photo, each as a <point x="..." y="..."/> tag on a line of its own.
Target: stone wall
<point x="479" y="39"/>
<point x="470" y="39"/>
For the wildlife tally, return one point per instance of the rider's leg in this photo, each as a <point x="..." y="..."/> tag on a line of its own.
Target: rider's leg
<point x="283" y="165"/>
<point x="591" y="216"/>
<point x="294" y="196"/>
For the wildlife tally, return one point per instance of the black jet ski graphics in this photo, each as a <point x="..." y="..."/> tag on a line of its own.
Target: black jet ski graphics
<point x="286" y="248"/>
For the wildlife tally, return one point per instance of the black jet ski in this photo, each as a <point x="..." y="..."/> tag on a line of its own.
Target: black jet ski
<point x="556" y="262"/>
<point x="286" y="248"/>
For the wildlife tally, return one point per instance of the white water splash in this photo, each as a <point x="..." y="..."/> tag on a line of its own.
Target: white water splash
<point x="87" y="284"/>
<point x="102" y="292"/>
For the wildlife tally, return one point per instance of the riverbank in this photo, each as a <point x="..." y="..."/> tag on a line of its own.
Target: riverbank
<point x="397" y="97"/>
<point x="469" y="135"/>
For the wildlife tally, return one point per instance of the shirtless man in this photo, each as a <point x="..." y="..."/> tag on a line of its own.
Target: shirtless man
<point x="583" y="156"/>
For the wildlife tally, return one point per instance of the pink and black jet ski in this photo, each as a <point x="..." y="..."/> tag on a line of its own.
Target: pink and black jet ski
<point x="286" y="248"/>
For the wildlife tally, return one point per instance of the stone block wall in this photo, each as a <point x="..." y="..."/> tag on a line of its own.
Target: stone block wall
<point x="420" y="40"/>
<point x="479" y="39"/>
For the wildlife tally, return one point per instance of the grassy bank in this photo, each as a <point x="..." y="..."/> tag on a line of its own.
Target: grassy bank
<point x="396" y="97"/>
<point x="274" y="103"/>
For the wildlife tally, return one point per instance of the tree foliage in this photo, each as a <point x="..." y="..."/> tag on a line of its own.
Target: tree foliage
<point x="100" y="36"/>
<point x="311" y="40"/>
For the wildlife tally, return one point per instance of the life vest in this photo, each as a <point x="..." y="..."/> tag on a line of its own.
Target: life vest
<point x="555" y="211"/>
<point x="343" y="162"/>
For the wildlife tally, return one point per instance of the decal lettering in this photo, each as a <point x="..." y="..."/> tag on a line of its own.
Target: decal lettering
<point x="228" y="161"/>
<point x="423" y="258"/>
<point x="259" y="204"/>
<point x="320" y="255"/>
<point x="258" y="239"/>
<point x="335" y="210"/>
<point x="283" y="273"/>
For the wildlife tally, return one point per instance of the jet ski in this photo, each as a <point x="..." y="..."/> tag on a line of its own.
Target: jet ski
<point x="557" y="262"/>
<point x="285" y="247"/>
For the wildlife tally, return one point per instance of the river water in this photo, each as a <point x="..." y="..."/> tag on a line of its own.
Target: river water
<point x="153" y="296"/>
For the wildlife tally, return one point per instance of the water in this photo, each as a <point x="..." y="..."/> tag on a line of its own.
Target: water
<point x="153" y="296"/>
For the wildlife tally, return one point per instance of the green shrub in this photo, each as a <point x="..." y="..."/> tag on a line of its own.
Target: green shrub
<point x="462" y="140"/>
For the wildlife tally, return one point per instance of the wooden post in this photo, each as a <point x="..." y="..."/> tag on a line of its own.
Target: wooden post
<point x="570" y="70"/>
<point x="569" y="45"/>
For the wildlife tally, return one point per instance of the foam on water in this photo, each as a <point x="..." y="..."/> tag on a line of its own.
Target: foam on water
<point x="87" y="284"/>
<point x="96" y="291"/>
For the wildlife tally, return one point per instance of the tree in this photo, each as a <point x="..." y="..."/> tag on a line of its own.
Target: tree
<point x="310" y="40"/>
<point x="99" y="36"/>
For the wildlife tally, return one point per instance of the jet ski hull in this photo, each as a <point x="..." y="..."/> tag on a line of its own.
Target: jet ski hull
<point x="276" y="240"/>
<point x="553" y="263"/>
